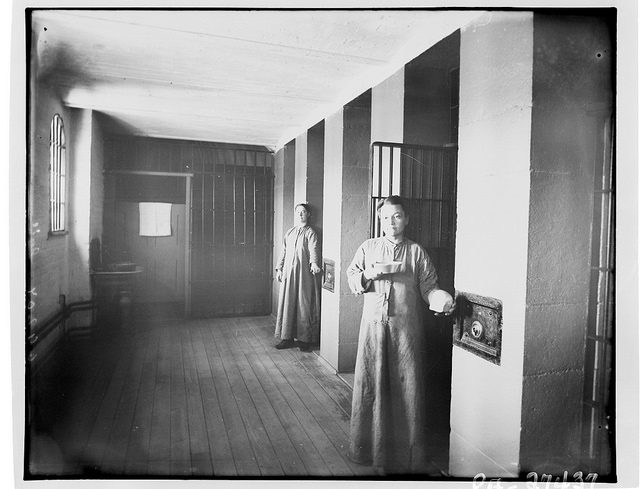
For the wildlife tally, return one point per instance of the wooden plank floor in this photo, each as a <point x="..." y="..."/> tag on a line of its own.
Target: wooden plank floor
<point x="197" y="399"/>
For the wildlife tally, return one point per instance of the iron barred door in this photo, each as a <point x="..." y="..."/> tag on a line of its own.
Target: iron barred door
<point x="425" y="176"/>
<point x="232" y="239"/>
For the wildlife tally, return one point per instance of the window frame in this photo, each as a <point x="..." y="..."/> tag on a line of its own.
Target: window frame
<point x="57" y="178"/>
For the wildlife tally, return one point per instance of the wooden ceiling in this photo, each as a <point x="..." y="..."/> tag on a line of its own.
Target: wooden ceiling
<point x="239" y="76"/>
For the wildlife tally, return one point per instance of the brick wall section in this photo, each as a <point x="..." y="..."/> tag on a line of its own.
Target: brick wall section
<point x="47" y="275"/>
<point x="564" y="156"/>
<point x="356" y="173"/>
<point x="49" y="259"/>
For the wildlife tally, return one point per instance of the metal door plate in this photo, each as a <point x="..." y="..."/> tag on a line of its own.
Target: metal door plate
<point x="478" y="325"/>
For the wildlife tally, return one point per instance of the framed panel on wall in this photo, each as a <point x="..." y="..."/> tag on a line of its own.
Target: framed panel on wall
<point x="328" y="274"/>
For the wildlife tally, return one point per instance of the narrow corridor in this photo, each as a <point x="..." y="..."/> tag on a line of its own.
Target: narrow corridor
<point x="197" y="398"/>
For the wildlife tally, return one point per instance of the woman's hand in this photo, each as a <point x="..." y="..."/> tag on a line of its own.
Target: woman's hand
<point x="449" y="308"/>
<point x="372" y="274"/>
<point x="315" y="269"/>
<point x="441" y="302"/>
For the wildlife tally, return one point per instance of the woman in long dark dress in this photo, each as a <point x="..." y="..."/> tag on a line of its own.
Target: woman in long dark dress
<point x="388" y="409"/>
<point x="297" y="269"/>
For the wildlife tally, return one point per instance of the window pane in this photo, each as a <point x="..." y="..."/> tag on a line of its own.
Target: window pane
<point x="375" y="186"/>
<point x="57" y="171"/>
<point x="395" y="178"/>
<point x="386" y="161"/>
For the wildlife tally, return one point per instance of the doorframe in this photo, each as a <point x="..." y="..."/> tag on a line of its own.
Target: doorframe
<point x="187" y="226"/>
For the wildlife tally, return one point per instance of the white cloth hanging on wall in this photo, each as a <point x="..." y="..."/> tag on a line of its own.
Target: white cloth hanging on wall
<point x="155" y="219"/>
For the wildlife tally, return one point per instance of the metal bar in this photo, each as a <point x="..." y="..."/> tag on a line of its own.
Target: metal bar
<point x="52" y="184"/>
<point x="373" y="217"/>
<point x="61" y="179"/>
<point x="202" y="202"/>
<point x="371" y="205"/>
<point x="59" y="318"/>
<point x="379" y="171"/>
<point x="51" y="180"/>
<point x="187" y="248"/>
<point x="235" y="227"/>
<point x="591" y="403"/>
<point x="244" y="199"/>
<point x="152" y="173"/>
<point x="453" y="208"/>
<point x="442" y="194"/>
<point x="390" y="170"/>
<point x="46" y="329"/>
<point x="56" y="180"/>
<point x="214" y="210"/>
<point x="255" y="210"/>
<point x="81" y="306"/>
<point x="603" y="269"/>
<point x="254" y="244"/>
<point x="379" y="190"/>
<point x="607" y="157"/>
<point x="56" y="183"/>
<point x="427" y="190"/>
<point x="418" y="146"/>
<point x="600" y="318"/>
<point x="266" y="193"/>
<point x="400" y="172"/>
<point x="269" y="230"/>
<point x="235" y="163"/>
<point x="244" y="210"/>
<point x="224" y="217"/>
<point x="421" y="165"/>
<point x="410" y="182"/>
<point x="432" y="168"/>
<point x="58" y="173"/>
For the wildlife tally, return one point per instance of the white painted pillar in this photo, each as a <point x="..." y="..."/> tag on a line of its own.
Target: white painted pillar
<point x="496" y="64"/>
<point x="387" y="109"/>
<point x="332" y="233"/>
<point x="300" y="186"/>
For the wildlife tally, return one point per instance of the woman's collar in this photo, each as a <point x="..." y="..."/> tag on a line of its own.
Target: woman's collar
<point x="401" y="240"/>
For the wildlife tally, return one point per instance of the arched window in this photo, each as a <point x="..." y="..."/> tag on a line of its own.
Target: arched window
<point x="57" y="176"/>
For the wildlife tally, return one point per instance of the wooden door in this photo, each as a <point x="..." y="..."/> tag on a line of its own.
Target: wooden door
<point x="232" y="240"/>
